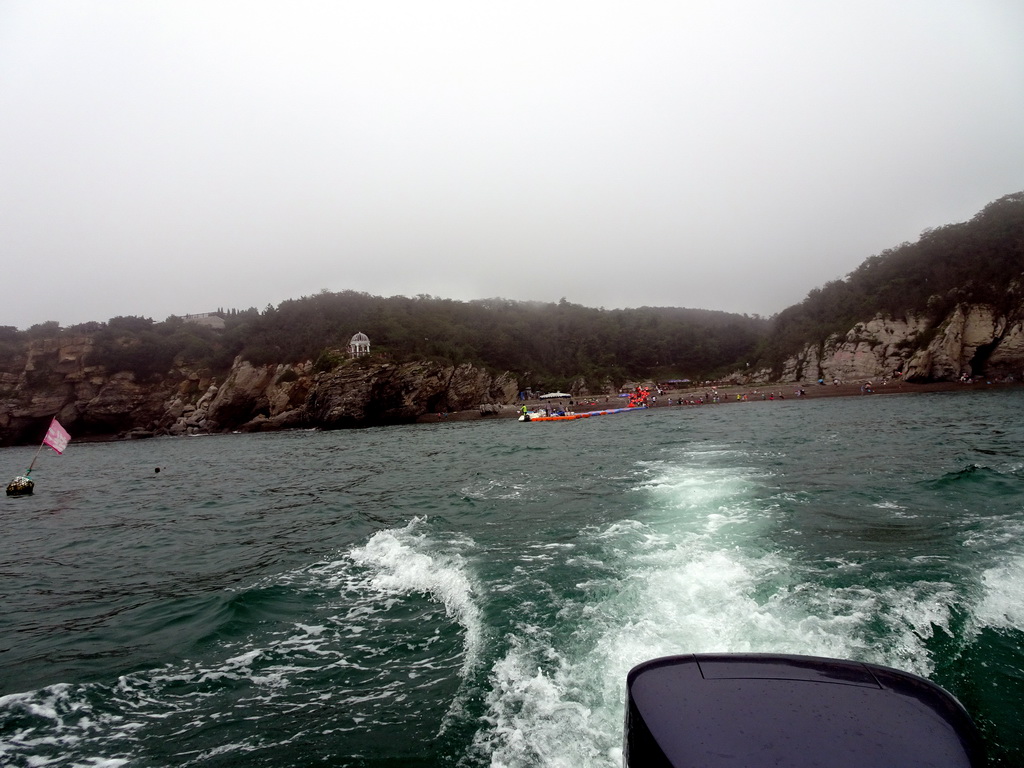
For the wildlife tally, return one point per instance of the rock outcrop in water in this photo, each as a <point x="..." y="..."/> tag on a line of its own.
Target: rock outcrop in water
<point x="52" y="377"/>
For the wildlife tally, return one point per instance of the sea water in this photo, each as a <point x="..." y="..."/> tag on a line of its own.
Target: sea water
<point x="472" y="594"/>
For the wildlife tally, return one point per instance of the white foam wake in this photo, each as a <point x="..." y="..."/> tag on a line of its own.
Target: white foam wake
<point x="693" y="577"/>
<point x="405" y="560"/>
<point x="1002" y="602"/>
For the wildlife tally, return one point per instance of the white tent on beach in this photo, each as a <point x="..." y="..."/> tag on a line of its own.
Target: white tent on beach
<point x="552" y="395"/>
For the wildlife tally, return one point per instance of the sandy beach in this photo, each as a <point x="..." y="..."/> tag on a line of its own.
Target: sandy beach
<point x="727" y="394"/>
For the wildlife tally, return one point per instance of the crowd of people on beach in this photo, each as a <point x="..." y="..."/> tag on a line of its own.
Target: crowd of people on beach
<point x="650" y="395"/>
<point x="645" y="396"/>
<point x="714" y="397"/>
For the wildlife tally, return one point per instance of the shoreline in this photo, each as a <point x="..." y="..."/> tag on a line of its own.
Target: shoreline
<point x="728" y="395"/>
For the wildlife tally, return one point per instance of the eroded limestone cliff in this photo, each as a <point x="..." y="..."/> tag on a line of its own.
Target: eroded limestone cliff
<point x="973" y="340"/>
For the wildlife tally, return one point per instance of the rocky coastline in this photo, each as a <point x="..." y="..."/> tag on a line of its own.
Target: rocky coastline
<point x="56" y="380"/>
<point x="974" y="346"/>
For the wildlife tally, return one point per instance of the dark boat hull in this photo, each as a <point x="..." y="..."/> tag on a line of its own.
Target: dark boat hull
<point x="732" y="710"/>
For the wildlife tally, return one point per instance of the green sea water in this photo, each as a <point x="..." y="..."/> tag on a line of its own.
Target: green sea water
<point x="473" y="594"/>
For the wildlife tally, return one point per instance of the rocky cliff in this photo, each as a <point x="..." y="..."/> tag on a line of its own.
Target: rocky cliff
<point x="52" y="377"/>
<point x="972" y="340"/>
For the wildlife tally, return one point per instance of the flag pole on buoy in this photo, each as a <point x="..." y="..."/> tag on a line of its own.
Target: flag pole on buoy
<point x="57" y="438"/>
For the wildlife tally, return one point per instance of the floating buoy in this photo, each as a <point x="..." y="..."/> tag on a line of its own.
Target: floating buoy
<point x="20" y="486"/>
<point x="57" y="438"/>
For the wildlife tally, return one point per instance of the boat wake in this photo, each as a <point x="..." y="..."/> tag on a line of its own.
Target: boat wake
<point x="330" y="678"/>
<point x="699" y="574"/>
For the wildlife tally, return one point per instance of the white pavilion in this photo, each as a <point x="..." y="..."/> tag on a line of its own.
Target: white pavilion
<point x="359" y="346"/>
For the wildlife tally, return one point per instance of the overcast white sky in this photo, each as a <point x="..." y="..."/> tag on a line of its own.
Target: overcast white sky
<point x="162" y="158"/>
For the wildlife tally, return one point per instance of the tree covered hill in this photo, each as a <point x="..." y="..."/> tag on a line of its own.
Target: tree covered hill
<point x="546" y="345"/>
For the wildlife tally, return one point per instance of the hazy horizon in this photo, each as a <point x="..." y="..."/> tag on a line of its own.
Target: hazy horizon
<point x="171" y="158"/>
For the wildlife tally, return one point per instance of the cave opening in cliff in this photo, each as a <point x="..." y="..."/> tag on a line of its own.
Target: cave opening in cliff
<point x="979" y="362"/>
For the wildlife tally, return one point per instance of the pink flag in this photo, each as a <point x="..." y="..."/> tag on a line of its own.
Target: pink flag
<point x="56" y="437"/>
